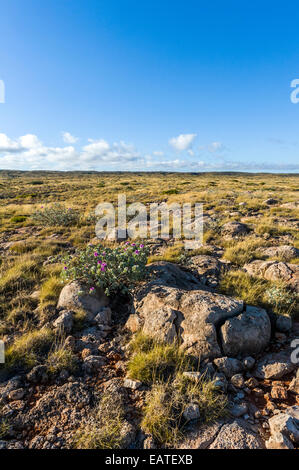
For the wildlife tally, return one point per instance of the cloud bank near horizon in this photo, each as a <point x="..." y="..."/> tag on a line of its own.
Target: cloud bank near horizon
<point x="28" y="152"/>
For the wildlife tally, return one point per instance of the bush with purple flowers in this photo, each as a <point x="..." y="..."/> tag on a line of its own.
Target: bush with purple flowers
<point x="56" y="215"/>
<point x="112" y="269"/>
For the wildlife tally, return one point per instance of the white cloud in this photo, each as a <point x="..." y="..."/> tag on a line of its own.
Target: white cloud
<point x="69" y="138"/>
<point x="216" y="147"/>
<point x="182" y="142"/>
<point x="29" y="153"/>
<point x="8" y="145"/>
<point x="101" y="151"/>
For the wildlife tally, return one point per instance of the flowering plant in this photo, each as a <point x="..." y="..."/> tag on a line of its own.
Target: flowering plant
<point x="112" y="269"/>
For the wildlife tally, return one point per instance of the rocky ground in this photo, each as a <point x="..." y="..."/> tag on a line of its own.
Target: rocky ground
<point x="247" y="349"/>
<point x="249" y="357"/>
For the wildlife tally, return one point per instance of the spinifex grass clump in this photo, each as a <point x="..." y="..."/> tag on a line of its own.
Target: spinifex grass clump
<point x="111" y="269"/>
<point x="56" y="215"/>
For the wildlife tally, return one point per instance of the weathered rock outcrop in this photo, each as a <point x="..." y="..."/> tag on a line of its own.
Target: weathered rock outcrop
<point x="234" y="229"/>
<point x="284" y="252"/>
<point x="275" y="271"/>
<point x="208" y="268"/>
<point x="169" y="312"/>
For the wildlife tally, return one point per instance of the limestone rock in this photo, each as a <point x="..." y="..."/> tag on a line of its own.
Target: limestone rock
<point x="228" y="365"/>
<point x="279" y="441"/>
<point x="237" y="435"/>
<point x="234" y="229"/>
<point x="275" y="271"/>
<point x="133" y="323"/>
<point x="74" y="296"/>
<point x="283" y="324"/>
<point x="133" y="384"/>
<point x="283" y="252"/>
<point x="274" y="366"/>
<point x="248" y="333"/>
<point x="93" y="363"/>
<point x="239" y="409"/>
<point x="237" y="380"/>
<point x="285" y="424"/>
<point x="64" y="321"/>
<point x="208" y="268"/>
<point x="190" y="316"/>
<point x="191" y="412"/>
<point x="294" y="385"/>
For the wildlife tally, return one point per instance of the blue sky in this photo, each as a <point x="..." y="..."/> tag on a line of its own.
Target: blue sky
<point x="157" y="85"/>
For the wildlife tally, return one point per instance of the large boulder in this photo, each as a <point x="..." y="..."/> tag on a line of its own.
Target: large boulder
<point x="192" y="317"/>
<point x="248" y="333"/>
<point x="275" y="271"/>
<point x="168" y="312"/>
<point x="75" y="296"/>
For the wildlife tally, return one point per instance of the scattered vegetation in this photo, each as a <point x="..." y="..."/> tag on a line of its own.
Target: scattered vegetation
<point x="4" y="428"/>
<point x="40" y="227"/>
<point x="259" y="292"/>
<point x="244" y="251"/>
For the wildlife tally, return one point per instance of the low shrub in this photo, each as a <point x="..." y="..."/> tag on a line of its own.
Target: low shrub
<point x="282" y="300"/>
<point x="56" y="215"/>
<point x="112" y="269"/>
<point x="4" y="428"/>
<point x="171" y="191"/>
